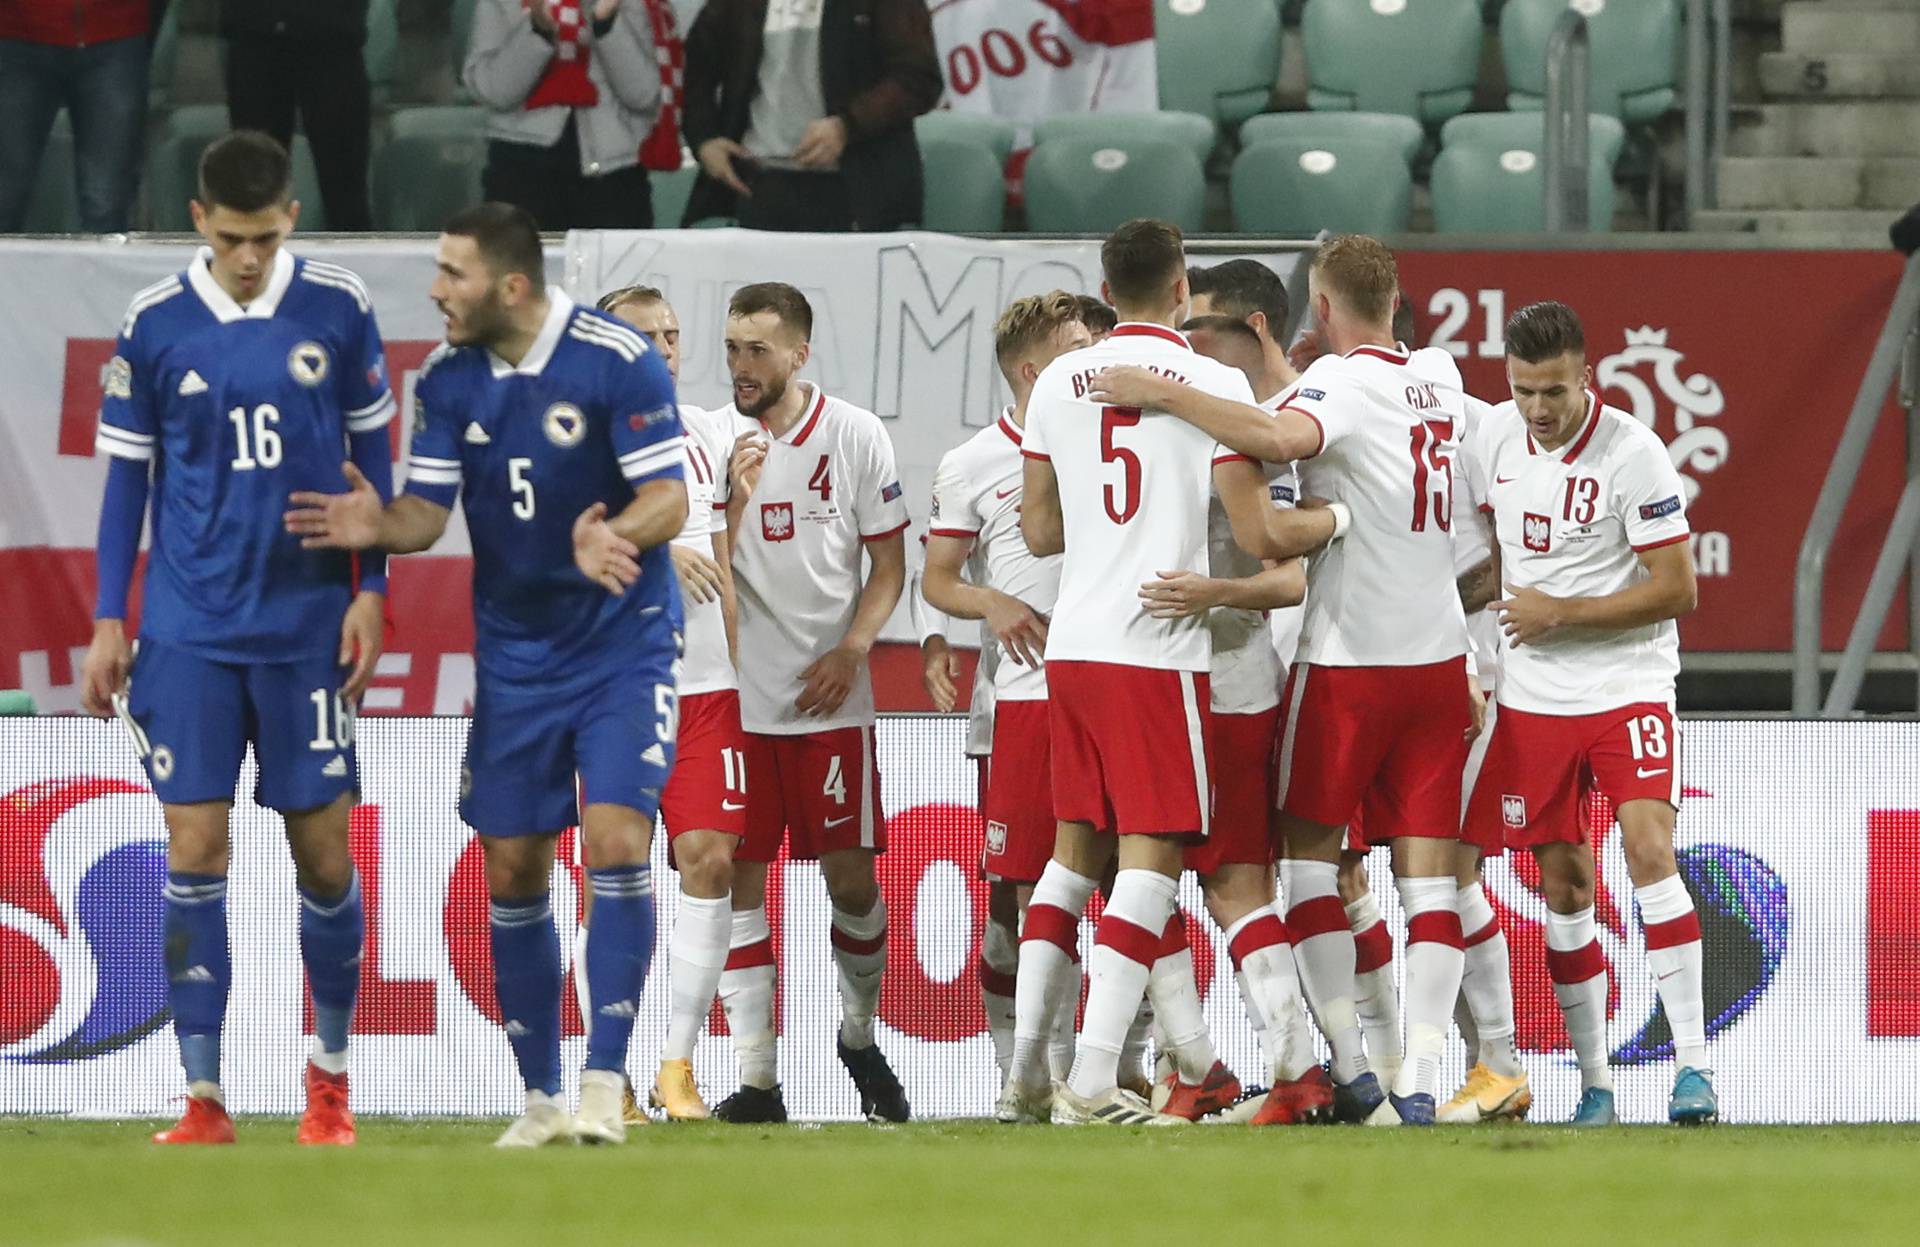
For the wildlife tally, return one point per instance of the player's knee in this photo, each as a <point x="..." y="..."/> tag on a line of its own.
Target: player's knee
<point x="1003" y="904"/>
<point x="706" y="864"/>
<point x="197" y="838"/>
<point x="850" y="881"/>
<point x="1352" y="878"/>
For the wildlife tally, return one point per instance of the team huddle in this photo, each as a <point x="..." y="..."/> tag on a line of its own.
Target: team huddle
<point x="1244" y="621"/>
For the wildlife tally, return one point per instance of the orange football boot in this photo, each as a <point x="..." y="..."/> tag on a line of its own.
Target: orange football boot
<point x="205" y="1121"/>
<point x="1219" y="1089"/>
<point x="327" y="1120"/>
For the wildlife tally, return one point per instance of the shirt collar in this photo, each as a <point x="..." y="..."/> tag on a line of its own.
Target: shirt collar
<point x="559" y="311"/>
<point x="1142" y="329"/>
<point x="1008" y="427"/>
<point x="221" y="304"/>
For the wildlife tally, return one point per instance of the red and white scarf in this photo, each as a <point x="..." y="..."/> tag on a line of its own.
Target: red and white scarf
<point x="566" y="82"/>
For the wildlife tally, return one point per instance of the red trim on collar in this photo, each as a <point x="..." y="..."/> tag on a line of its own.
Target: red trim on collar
<point x="1012" y="430"/>
<point x="1140" y="329"/>
<point x="806" y="426"/>
<point x="1398" y="355"/>
<point x="1586" y="434"/>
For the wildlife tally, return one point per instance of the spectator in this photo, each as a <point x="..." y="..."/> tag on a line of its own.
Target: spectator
<point x="89" y="56"/>
<point x="574" y="90"/>
<point x="801" y="111"/>
<point x="294" y="56"/>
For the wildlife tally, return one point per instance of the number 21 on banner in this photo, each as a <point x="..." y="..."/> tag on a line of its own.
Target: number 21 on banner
<point x="1454" y="308"/>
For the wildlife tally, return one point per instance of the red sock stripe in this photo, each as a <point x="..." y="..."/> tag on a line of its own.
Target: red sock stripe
<point x="1266" y="931"/>
<point x="1440" y="926"/>
<point x="1054" y="925"/>
<point x="1484" y="933"/>
<point x="859" y="946"/>
<point x="1321" y="915"/>
<point x="995" y="982"/>
<point x="1682" y="930"/>
<point x="747" y="956"/>
<point x="1130" y="940"/>
<point x="1373" y="948"/>
<point x="1174" y="938"/>
<point x="1577" y="966"/>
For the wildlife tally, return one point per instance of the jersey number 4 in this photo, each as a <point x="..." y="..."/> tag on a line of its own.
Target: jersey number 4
<point x="1430" y="459"/>
<point x="1124" y="503"/>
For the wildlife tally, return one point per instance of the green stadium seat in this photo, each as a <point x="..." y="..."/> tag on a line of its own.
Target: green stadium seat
<point x="1361" y="186"/>
<point x="1218" y="58"/>
<point x="1418" y="58"/>
<point x="429" y="167"/>
<point x="1636" y="54"/>
<point x="381" y="52"/>
<point x="1481" y="190"/>
<point x="996" y="134"/>
<point x="54" y="207"/>
<point x="1332" y="129"/>
<point x="1606" y="136"/>
<point x="964" y="187"/>
<point x="670" y="193"/>
<point x="1088" y="186"/>
<point x="173" y="170"/>
<point x="16" y="701"/>
<point x="1191" y="129"/>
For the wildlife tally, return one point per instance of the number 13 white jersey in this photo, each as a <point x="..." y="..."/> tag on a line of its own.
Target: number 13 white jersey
<point x="1384" y="595"/>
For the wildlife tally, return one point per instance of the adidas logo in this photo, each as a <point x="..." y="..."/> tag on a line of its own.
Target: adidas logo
<point x="197" y="974"/>
<point x="476" y="436"/>
<point x="336" y="769"/>
<point x="654" y="755"/>
<point x="514" y="1029"/>
<point x="192" y="384"/>
<point x="618" y="1009"/>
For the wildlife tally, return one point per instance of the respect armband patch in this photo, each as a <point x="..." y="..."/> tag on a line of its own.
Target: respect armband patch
<point x="1666" y="506"/>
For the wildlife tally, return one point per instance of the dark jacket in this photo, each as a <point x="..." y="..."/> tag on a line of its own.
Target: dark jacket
<point x="878" y="71"/>
<point x="72" y="23"/>
<point x="334" y="23"/>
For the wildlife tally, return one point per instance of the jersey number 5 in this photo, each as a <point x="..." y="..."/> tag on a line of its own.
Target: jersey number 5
<point x="522" y="486"/>
<point x="1124" y="503"/>
<point x="1429" y="439"/>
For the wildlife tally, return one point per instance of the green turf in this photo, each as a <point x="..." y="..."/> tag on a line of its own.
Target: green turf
<point x="416" y="1184"/>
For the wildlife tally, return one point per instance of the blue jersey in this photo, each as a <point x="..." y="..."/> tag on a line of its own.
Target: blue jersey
<point x="588" y="416"/>
<point x="236" y="408"/>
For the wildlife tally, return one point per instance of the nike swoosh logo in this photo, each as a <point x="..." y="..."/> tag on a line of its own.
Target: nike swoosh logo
<point x="1005" y="493"/>
<point x="1644" y="773"/>
<point x="1503" y="480"/>
<point x="733" y="805"/>
<point x="835" y="822"/>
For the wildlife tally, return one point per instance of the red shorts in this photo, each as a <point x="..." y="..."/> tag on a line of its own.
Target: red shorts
<point x="1243" y="784"/>
<point x="708" y="788"/>
<point x="1130" y="751"/>
<point x="820" y="791"/>
<point x="1019" y="806"/>
<point x="1490" y="842"/>
<point x="1386" y="743"/>
<point x="1541" y="767"/>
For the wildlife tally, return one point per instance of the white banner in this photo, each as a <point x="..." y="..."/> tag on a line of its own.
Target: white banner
<point x="1800" y="842"/>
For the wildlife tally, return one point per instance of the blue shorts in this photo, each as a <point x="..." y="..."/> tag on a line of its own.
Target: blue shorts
<point x="192" y="719"/>
<point x="526" y="748"/>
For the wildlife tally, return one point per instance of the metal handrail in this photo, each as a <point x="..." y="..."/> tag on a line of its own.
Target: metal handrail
<point x="1809" y="582"/>
<point x="1569" y="68"/>
<point x="1709" y="99"/>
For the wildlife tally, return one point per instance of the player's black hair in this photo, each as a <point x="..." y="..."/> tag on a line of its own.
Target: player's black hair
<point x="1225" y="326"/>
<point x="245" y="171"/>
<point x="1095" y="315"/>
<point x="1242" y="287"/>
<point x="1542" y="331"/>
<point x="777" y="297"/>
<point x="1406" y="327"/>
<point x="507" y="236"/>
<point x="1140" y="258"/>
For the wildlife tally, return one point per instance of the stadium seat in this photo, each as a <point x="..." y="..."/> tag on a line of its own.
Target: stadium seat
<point x="54" y="207"/>
<point x="381" y="52"/>
<point x="1218" y="58"/>
<point x="16" y="701"/>
<point x="1528" y="131"/>
<point x="173" y="170"/>
<point x="1191" y="129"/>
<point x="1482" y="190"/>
<point x="965" y="187"/>
<point x="995" y="134"/>
<point x="1418" y="58"/>
<point x="1088" y="186"/>
<point x="188" y="61"/>
<point x="429" y="167"/>
<point x="1361" y="186"/>
<point x="1635" y="64"/>
<point x="1333" y="129"/>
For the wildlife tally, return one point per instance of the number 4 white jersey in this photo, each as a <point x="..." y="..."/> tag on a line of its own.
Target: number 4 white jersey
<point x="1572" y="523"/>
<point x="706" y="666"/>
<point x="1134" y="490"/>
<point x="1384" y="595"/>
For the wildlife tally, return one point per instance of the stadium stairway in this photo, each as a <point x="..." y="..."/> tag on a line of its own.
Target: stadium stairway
<point x="1834" y="146"/>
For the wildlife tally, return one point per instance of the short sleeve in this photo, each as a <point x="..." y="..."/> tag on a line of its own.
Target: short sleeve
<point x="128" y="423"/>
<point x="1033" y="439"/>
<point x="365" y="392"/>
<point x="706" y="430"/>
<point x="433" y="453"/>
<point x="1650" y="497"/>
<point x="879" y="509"/>
<point x="647" y="433"/>
<point x="1323" y="397"/>
<point x="954" y="511"/>
<point x="1284" y="489"/>
<point x="1471" y="455"/>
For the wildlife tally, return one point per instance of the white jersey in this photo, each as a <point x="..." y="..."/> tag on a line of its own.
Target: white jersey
<point x="705" y="667"/>
<point x="1285" y="623"/>
<point x="976" y="497"/>
<point x="1473" y="539"/>
<point x="929" y="622"/>
<point x="828" y="486"/>
<point x="1571" y="523"/>
<point x="1247" y="666"/>
<point x="1384" y="595"/>
<point x="1134" y="488"/>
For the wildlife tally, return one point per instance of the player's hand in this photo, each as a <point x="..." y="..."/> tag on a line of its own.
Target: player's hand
<point x="1127" y="385"/>
<point x="940" y="672"/>
<point x="349" y="521"/>
<point x="1179" y="595"/>
<point x="104" y="673"/>
<point x="699" y="575"/>
<point x="1021" y="630"/>
<point x="602" y="555"/>
<point x="362" y="633"/>
<point x="1477" y="700"/>
<point x="1527" y="616"/>
<point x="1308" y="348"/>
<point x="828" y="681"/>
<point x="821" y="143"/>
<point x="743" y="470"/>
<point x="716" y="158"/>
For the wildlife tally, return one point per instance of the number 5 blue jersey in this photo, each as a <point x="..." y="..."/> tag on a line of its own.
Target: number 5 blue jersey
<point x="236" y="408"/>
<point x="587" y="416"/>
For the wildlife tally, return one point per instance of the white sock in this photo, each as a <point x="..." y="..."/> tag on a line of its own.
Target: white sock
<point x="697" y="954"/>
<point x="860" y="952"/>
<point x="1126" y="945"/>
<point x="578" y="971"/>
<point x="1434" y="962"/>
<point x="1672" y="929"/>
<point x="999" y="963"/>
<point x="1376" y="998"/>
<point x="1049" y="944"/>
<point x="1486" y="984"/>
<point x="1270" y="986"/>
<point x="1061" y="1038"/>
<point x="746" y="996"/>
<point x="1579" y="972"/>
<point x="1133" y="1053"/>
<point x="1176" y="1006"/>
<point x="1323" y="953"/>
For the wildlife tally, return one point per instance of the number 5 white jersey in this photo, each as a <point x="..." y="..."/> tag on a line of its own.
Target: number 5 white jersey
<point x="1384" y="595"/>
<point x="1134" y="489"/>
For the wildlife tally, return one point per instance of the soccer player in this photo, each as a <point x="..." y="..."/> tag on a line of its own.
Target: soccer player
<point x="1595" y="561"/>
<point x="975" y="529"/>
<point x="1124" y="494"/>
<point x="556" y="428"/>
<point x="814" y="487"/>
<point x="1097" y="315"/>
<point x="247" y="375"/>
<point x="1253" y="294"/>
<point x="1379" y="707"/>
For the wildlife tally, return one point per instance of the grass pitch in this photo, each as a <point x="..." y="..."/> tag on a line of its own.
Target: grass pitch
<point x="423" y="1183"/>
